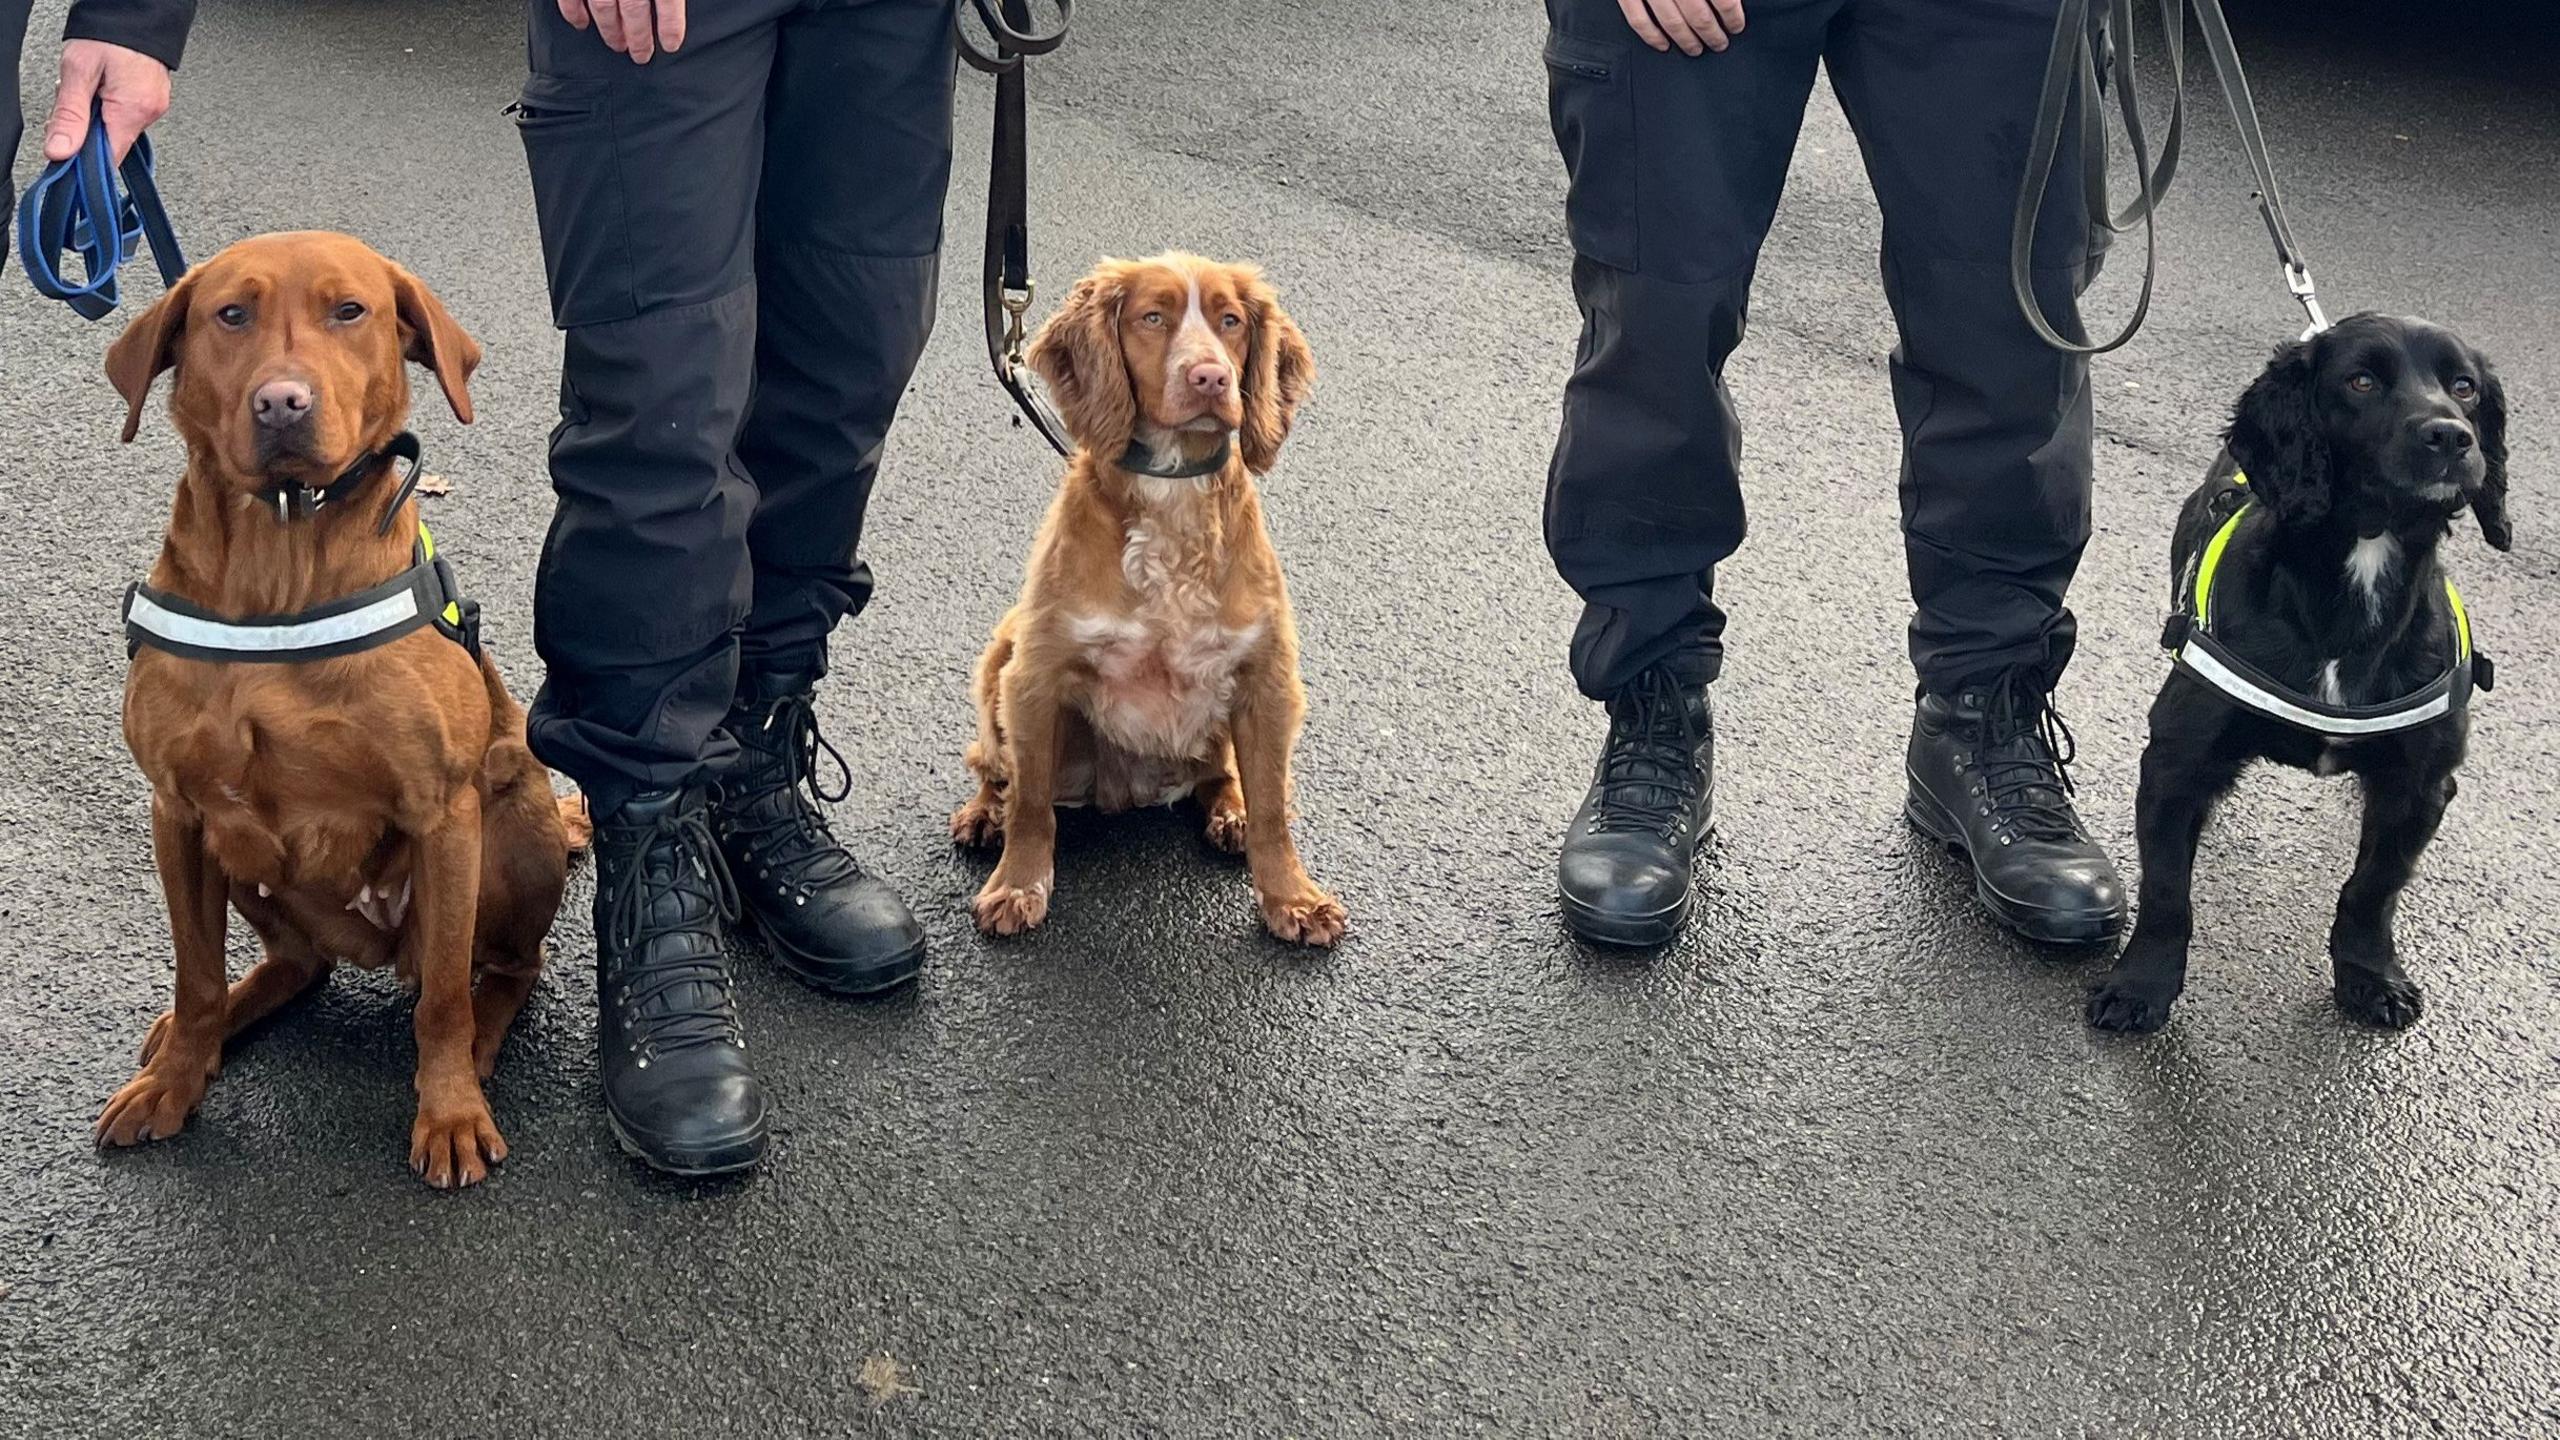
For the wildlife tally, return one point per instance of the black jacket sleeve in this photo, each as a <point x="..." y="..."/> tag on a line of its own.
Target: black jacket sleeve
<point x="157" y="28"/>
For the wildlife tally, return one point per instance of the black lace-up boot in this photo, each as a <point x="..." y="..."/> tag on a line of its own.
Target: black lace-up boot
<point x="1991" y="780"/>
<point x="824" y="919"/>
<point x="1624" y="874"/>
<point x="677" y="1088"/>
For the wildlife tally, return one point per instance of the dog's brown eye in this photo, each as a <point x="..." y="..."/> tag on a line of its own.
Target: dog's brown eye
<point x="1232" y="321"/>
<point x="2363" y="383"/>
<point x="2464" y="387"/>
<point x="348" y="313"/>
<point x="1154" y="318"/>
<point x="232" y="316"/>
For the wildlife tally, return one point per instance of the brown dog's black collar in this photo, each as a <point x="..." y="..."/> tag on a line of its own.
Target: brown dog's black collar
<point x="1139" y="460"/>
<point x="303" y="501"/>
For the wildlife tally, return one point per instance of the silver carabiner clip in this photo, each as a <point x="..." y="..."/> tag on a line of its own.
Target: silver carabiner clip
<point x="2297" y="279"/>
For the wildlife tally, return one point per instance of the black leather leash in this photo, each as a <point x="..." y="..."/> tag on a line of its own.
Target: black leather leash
<point x="2077" y="59"/>
<point x="1010" y="41"/>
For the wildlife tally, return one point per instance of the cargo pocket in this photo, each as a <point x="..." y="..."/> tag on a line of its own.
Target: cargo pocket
<point x="1591" y="102"/>
<point x="567" y="127"/>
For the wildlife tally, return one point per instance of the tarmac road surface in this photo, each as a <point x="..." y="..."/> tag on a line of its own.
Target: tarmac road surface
<point x="1845" y="1161"/>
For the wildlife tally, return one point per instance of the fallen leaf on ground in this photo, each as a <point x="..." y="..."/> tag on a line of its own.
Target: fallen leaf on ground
<point x="434" y="485"/>
<point x="884" y="1379"/>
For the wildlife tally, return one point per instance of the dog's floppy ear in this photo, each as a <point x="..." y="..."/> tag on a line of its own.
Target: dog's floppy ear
<point x="2275" y="435"/>
<point x="2489" y="507"/>
<point x="1077" y="352"/>
<point x="1279" y="370"/>
<point x="148" y="346"/>
<point x="429" y="336"/>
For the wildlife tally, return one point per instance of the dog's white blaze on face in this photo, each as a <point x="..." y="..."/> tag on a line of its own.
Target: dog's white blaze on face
<point x="2370" y="565"/>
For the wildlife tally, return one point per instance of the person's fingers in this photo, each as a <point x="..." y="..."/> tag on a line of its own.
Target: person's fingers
<point x="639" y="30"/>
<point x="575" y="12"/>
<point x="1703" y="23"/>
<point x="1675" y="24"/>
<point x="670" y="25"/>
<point x="608" y="17"/>
<point x="1730" y="13"/>
<point x="72" y="99"/>
<point x="1640" y="20"/>
<point x="128" y="117"/>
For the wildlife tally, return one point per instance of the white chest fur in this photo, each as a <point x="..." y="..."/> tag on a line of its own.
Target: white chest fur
<point x="1165" y="669"/>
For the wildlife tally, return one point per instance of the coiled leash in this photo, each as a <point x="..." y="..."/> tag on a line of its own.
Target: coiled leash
<point x="1010" y="41"/>
<point x="2079" y="61"/>
<point x="75" y="207"/>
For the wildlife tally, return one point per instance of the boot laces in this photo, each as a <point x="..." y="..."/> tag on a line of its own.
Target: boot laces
<point x="675" y="997"/>
<point x="2026" y="755"/>
<point x="776" y="827"/>
<point x="1649" y="777"/>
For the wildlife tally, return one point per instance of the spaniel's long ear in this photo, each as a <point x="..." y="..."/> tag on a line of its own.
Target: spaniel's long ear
<point x="148" y="346"/>
<point x="430" y="337"/>
<point x="1078" y="353"/>
<point x="2275" y="435"/>
<point x="2489" y="507"/>
<point x="1279" y="370"/>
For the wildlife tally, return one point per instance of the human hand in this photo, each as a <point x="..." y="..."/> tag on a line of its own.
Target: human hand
<point x="126" y="88"/>
<point x="637" y="28"/>
<point x="1695" y="26"/>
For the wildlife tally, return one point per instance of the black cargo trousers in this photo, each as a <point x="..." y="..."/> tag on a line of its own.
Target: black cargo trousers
<point x="742" y="239"/>
<point x="1676" y="165"/>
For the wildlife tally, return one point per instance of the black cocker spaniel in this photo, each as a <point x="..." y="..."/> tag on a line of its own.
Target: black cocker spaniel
<point x="2314" y="626"/>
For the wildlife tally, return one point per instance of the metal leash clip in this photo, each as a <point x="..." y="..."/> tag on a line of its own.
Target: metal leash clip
<point x="1016" y="303"/>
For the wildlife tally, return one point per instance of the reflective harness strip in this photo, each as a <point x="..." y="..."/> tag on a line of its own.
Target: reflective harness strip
<point x="424" y="594"/>
<point x="2190" y="638"/>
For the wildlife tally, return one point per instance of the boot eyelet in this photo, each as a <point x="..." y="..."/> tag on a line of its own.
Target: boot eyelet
<point x="641" y="1064"/>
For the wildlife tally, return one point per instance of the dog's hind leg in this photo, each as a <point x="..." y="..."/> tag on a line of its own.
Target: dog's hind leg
<point x="980" y="822"/>
<point x="1221" y="797"/>
<point x="2182" y="779"/>
<point x="525" y="843"/>
<point x="292" y="967"/>
<point x="2364" y="960"/>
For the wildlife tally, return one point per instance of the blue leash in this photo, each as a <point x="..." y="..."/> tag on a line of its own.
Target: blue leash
<point x="76" y="208"/>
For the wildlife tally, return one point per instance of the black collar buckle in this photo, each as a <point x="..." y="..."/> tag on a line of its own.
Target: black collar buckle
<point x="302" y="501"/>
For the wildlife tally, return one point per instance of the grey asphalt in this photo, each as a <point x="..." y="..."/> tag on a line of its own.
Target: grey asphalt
<point x="1842" y="1162"/>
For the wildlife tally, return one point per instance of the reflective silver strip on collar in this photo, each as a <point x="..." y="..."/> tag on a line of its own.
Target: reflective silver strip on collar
<point x="386" y="613"/>
<point x="2205" y="667"/>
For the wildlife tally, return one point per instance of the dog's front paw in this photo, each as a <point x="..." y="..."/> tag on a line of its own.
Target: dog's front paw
<point x="1309" y="918"/>
<point x="453" y="1146"/>
<point x="1004" y="908"/>
<point x="2130" y="1005"/>
<point x="2385" y="998"/>
<point x="155" y="1103"/>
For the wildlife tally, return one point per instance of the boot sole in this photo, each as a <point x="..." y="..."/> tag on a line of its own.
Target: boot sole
<point x="693" y="1162"/>
<point x="834" y="978"/>
<point x="2044" y="927"/>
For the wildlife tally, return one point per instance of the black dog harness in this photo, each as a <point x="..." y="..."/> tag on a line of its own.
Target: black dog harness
<point x="422" y="595"/>
<point x="2190" y="639"/>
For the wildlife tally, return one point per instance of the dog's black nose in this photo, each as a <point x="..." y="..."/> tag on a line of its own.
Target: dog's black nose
<point x="2446" y="437"/>
<point x="279" y="404"/>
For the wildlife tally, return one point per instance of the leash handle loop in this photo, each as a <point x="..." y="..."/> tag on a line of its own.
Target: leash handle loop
<point x="1006" y="275"/>
<point x="75" y="207"/>
<point x="2076" y="43"/>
